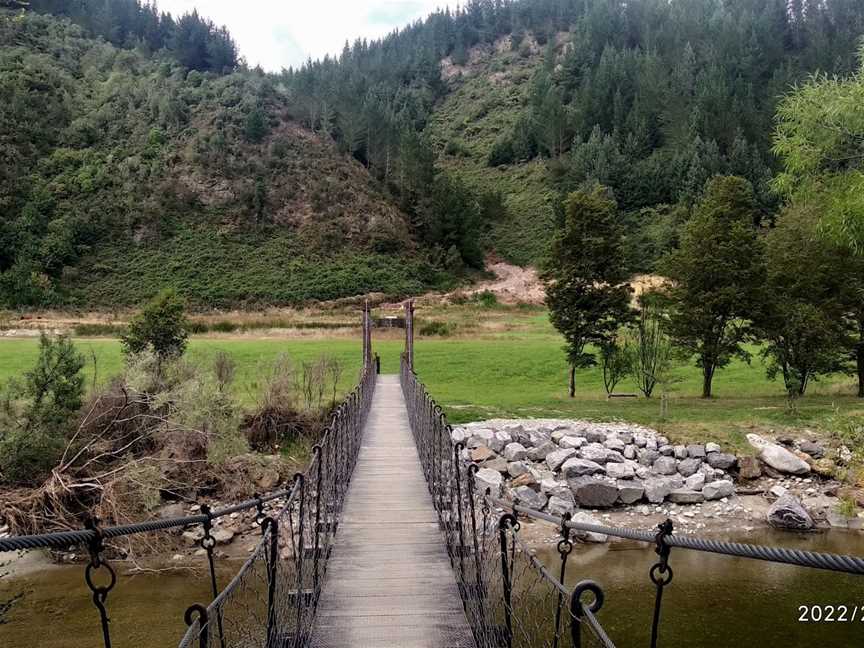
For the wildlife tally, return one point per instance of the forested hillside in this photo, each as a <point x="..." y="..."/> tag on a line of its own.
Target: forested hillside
<point x="534" y="98"/>
<point x="123" y="170"/>
<point x="138" y="149"/>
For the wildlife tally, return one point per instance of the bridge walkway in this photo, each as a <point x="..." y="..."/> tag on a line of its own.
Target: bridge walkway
<point x="389" y="580"/>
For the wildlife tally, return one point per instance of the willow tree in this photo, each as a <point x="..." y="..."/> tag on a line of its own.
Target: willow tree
<point x="819" y="135"/>
<point x="586" y="283"/>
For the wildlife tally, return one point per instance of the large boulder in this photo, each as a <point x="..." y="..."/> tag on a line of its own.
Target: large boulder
<point x="689" y="466"/>
<point x="588" y="536"/>
<point x="558" y="457"/>
<point x="517" y="468"/>
<point x="527" y="496"/>
<point x="666" y="466"/>
<point x="571" y="442"/>
<point x="630" y="491"/>
<point x="778" y="457"/>
<point x="480" y="437"/>
<point x="813" y="449"/>
<point x="488" y="478"/>
<point x="695" y="481"/>
<point x="619" y="470"/>
<point x="593" y="493"/>
<point x="575" y="467"/>
<point x="595" y="452"/>
<point x="718" y="489"/>
<point x="684" y="496"/>
<point x="696" y="450"/>
<point x="550" y="486"/>
<point x="721" y="460"/>
<point x="499" y="440"/>
<point x="558" y="506"/>
<point x="540" y="452"/>
<point x="788" y="513"/>
<point x="526" y="479"/>
<point x="595" y="436"/>
<point x="515" y="452"/>
<point x="658" y="488"/>
<point x="749" y="468"/>
<point x="498" y="463"/>
<point x="482" y="453"/>
<point x="614" y="443"/>
<point x="647" y="457"/>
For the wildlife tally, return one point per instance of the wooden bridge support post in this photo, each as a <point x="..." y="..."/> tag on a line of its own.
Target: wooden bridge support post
<point x="409" y="332"/>
<point x="367" y="352"/>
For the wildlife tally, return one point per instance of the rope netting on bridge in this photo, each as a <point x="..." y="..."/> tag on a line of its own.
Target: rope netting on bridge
<point x="512" y="599"/>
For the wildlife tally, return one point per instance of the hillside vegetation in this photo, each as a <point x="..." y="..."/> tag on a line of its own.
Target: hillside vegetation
<point x="123" y="172"/>
<point x="533" y="99"/>
<point x="137" y="150"/>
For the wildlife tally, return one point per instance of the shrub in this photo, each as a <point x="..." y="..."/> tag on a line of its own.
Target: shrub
<point x="486" y="299"/>
<point x="502" y="152"/>
<point x="162" y="327"/>
<point x="436" y="327"/>
<point x="36" y="415"/>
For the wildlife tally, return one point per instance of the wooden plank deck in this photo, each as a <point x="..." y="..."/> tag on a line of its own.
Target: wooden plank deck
<point x="389" y="580"/>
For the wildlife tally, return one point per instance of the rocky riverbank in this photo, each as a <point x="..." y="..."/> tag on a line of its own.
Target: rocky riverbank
<point x="623" y="474"/>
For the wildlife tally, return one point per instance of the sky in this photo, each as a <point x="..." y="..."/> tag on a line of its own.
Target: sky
<point x="284" y="33"/>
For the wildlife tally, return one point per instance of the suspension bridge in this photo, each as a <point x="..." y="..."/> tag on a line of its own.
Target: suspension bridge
<point x="386" y="541"/>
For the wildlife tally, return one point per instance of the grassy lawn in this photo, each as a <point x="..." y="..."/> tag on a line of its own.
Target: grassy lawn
<point x="509" y="363"/>
<point x="254" y="358"/>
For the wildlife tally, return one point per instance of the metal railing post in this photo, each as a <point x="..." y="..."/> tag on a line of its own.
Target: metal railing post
<point x="272" y="626"/>
<point x="507" y="520"/>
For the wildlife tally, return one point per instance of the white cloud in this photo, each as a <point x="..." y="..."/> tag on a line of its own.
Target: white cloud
<point x="277" y="34"/>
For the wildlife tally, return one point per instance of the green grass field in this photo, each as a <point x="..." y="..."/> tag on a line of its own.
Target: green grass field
<point x="513" y="369"/>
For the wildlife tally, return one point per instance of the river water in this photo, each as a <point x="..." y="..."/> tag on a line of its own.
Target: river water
<point x="713" y="601"/>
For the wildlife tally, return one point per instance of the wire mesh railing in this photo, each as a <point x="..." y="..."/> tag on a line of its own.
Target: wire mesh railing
<point x="511" y="598"/>
<point x="271" y="600"/>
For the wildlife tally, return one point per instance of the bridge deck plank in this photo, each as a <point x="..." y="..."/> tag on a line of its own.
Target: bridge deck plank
<point x="390" y="584"/>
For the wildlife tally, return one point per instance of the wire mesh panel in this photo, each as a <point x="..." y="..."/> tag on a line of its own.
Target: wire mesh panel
<point x="510" y="598"/>
<point x="272" y="600"/>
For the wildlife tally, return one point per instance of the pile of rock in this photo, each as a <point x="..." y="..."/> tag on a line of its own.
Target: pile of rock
<point x="560" y="465"/>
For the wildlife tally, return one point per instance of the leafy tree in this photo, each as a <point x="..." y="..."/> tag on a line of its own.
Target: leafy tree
<point x="819" y="134"/>
<point x="615" y="361"/>
<point x="801" y="318"/>
<point x="717" y="273"/>
<point x="36" y="414"/>
<point x="649" y="349"/>
<point x="586" y="284"/>
<point x="161" y="327"/>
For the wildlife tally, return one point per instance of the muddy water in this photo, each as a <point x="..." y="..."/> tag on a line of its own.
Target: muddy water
<point x="713" y="601"/>
<point x="57" y="609"/>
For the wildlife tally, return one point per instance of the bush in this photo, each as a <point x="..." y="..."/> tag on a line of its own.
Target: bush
<point x="435" y="327"/>
<point x="162" y="327"/>
<point x="502" y="152"/>
<point x="486" y="299"/>
<point x="36" y="415"/>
